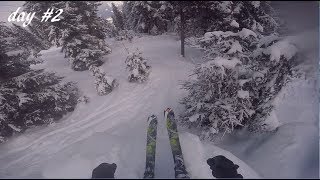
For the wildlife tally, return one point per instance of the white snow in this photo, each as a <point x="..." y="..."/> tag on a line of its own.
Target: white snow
<point x="243" y="81"/>
<point x="292" y="151"/>
<point x="14" y="127"/>
<point x="14" y="53"/>
<point x="272" y="122"/>
<point x="243" y="94"/>
<point x="22" y="98"/>
<point x="234" y="23"/>
<point x="109" y="128"/>
<point x="256" y="4"/>
<point x="266" y="40"/>
<point x="193" y="118"/>
<point x="222" y="63"/>
<point x="196" y="159"/>
<point x="226" y="63"/>
<point x="112" y="128"/>
<point x="281" y="48"/>
<point x="235" y="47"/>
<point x="244" y="33"/>
<point x="225" y="6"/>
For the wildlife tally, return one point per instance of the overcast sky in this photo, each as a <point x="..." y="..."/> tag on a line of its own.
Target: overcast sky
<point x="6" y="7"/>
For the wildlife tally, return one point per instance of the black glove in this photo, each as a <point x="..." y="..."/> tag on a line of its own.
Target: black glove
<point x="104" y="170"/>
<point x="223" y="168"/>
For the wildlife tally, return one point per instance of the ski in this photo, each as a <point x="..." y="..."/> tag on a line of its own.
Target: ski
<point x="151" y="146"/>
<point x="179" y="167"/>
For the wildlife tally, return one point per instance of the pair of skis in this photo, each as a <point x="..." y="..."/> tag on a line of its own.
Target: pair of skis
<point x="179" y="167"/>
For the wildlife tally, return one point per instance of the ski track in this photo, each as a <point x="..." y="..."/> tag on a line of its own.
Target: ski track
<point x="111" y="114"/>
<point x="112" y="128"/>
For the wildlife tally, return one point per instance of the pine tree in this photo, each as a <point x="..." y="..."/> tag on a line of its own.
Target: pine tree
<point x="83" y="39"/>
<point x="104" y="84"/>
<point x="143" y="16"/>
<point x="137" y="66"/>
<point x="117" y="18"/>
<point x="28" y="97"/>
<point x="50" y="33"/>
<point x="247" y="66"/>
<point x="80" y="31"/>
<point x="217" y="101"/>
<point x="272" y="68"/>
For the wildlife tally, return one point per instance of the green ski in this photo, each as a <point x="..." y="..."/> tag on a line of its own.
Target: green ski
<point x="151" y="146"/>
<point x="179" y="167"/>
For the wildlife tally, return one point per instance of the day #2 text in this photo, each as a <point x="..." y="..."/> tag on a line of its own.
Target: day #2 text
<point x="26" y="18"/>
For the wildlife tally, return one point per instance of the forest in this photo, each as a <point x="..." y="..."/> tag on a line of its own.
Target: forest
<point x="235" y="73"/>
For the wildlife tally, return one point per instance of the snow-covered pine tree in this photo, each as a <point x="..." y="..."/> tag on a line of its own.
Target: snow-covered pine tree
<point x="104" y="84"/>
<point x="28" y="97"/>
<point x="125" y="35"/>
<point x="196" y="14"/>
<point x="246" y="34"/>
<point x="216" y="101"/>
<point x="83" y="39"/>
<point x="80" y="31"/>
<point x="108" y="27"/>
<point x="257" y="16"/>
<point x="50" y="33"/>
<point x="207" y="16"/>
<point x="127" y="14"/>
<point x="143" y="16"/>
<point x="137" y="66"/>
<point x="272" y="68"/>
<point x="117" y="18"/>
<point x="228" y="44"/>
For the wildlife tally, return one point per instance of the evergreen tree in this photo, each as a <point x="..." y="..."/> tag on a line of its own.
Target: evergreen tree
<point x="28" y="97"/>
<point x="144" y="16"/>
<point x="83" y="39"/>
<point x="217" y="101"/>
<point x="247" y="66"/>
<point x="206" y="16"/>
<point x="50" y="33"/>
<point x="80" y="31"/>
<point x="272" y="68"/>
<point x="137" y="66"/>
<point x="104" y="84"/>
<point x="117" y="18"/>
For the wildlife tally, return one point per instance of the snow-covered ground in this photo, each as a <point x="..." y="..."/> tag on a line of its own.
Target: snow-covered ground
<point x="111" y="128"/>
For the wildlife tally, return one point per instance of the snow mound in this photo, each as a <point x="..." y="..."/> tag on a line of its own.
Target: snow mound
<point x="196" y="154"/>
<point x="221" y="63"/>
<point x="243" y="94"/>
<point x="296" y="120"/>
<point x="229" y="64"/>
<point x="234" y="23"/>
<point x="281" y="48"/>
<point x="244" y="33"/>
<point x="235" y="47"/>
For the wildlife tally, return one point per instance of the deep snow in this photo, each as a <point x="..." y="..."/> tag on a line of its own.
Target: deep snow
<point x="293" y="150"/>
<point x="112" y="128"/>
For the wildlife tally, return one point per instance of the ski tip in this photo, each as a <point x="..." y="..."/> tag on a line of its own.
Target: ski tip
<point x="167" y="111"/>
<point x="152" y="117"/>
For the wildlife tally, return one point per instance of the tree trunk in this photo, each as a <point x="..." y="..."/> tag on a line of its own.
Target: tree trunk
<point x="182" y="26"/>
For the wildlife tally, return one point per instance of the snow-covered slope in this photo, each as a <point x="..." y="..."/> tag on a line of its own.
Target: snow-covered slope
<point x="112" y="128"/>
<point x="109" y="128"/>
<point x="293" y="150"/>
